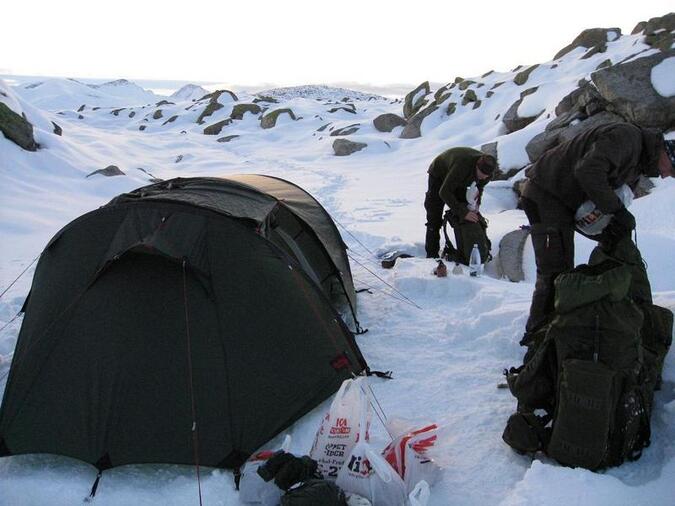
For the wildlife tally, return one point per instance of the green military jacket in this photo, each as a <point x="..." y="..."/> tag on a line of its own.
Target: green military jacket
<point x="456" y="167"/>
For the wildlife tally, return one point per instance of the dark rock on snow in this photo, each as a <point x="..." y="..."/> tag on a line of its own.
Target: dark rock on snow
<point x="109" y="171"/>
<point x="348" y="130"/>
<point x="227" y="138"/>
<point x="345" y="147"/>
<point x="414" y="127"/>
<point x="269" y="120"/>
<point x="592" y="38"/>
<point x="217" y="127"/>
<point x="239" y="110"/>
<point x="17" y="128"/>
<point x="411" y="107"/>
<point x="387" y="122"/>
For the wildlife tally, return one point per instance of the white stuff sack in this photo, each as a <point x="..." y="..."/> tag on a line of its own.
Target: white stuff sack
<point x="339" y="429"/>
<point x="367" y="474"/>
<point x="408" y="455"/>
<point x="472" y="195"/>
<point x="252" y="488"/>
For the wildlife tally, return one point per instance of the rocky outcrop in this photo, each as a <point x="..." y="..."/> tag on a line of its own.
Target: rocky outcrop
<point x="216" y="95"/>
<point x="217" y="127"/>
<point x="164" y="102"/>
<point x="414" y="127"/>
<point x="442" y="94"/>
<point x="239" y="110"/>
<point x="214" y="104"/>
<point x="157" y="114"/>
<point x="658" y="31"/>
<point x="57" y="129"/>
<point x="510" y="257"/>
<point x="629" y="92"/>
<point x="269" y="120"/>
<point x="263" y="98"/>
<point x="345" y="147"/>
<point x="351" y="108"/>
<point x="17" y="128"/>
<point x="415" y="100"/>
<point x="348" y="130"/>
<point x="109" y="171"/>
<point x="595" y="39"/>
<point x="552" y="137"/>
<point x="469" y="96"/>
<point x="116" y="112"/>
<point x="142" y="127"/>
<point x="522" y="77"/>
<point x="170" y="120"/>
<point x="387" y="122"/>
<point x="132" y="114"/>
<point x="210" y="108"/>
<point x="452" y="107"/>
<point x="227" y="138"/>
<point x="512" y="121"/>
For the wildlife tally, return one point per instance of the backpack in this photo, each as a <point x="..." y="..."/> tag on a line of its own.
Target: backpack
<point x="594" y="368"/>
<point x="466" y="235"/>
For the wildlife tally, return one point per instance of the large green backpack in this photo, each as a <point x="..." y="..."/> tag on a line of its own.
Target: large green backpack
<point x="466" y="235"/>
<point x="594" y="368"/>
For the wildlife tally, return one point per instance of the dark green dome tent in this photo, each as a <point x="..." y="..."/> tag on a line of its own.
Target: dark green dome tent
<point x="199" y="299"/>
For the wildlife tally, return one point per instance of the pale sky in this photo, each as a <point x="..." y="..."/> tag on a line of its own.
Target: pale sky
<point x="297" y="41"/>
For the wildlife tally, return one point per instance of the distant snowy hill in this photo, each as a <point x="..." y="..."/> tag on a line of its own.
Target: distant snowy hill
<point x="365" y="159"/>
<point x="320" y="92"/>
<point x="54" y="94"/>
<point x="188" y="93"/>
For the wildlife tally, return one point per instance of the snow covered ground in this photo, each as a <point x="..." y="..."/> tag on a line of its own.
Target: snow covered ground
<point x="447" y="357"/>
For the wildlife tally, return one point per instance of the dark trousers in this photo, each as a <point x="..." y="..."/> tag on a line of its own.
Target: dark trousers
<point x="552" y="232"/>
<point x="433" y="204"/>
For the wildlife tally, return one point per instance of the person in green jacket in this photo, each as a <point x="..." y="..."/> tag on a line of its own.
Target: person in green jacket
<point x="452" y="175"/>
<point x="590" y="166"/>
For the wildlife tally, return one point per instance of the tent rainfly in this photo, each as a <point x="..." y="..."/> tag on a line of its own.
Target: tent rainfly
<point x="212" y="303"/>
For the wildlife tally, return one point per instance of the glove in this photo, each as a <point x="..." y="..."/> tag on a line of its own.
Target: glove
<point x="295" y="471"/>
<point x="274" y="464"/>
<point x="624" y="219"/>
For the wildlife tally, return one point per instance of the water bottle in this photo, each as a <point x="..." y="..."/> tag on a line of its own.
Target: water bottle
<point x="474" y="261"/>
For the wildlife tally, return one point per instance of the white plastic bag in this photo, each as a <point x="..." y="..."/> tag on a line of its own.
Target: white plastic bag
<point x="472" y="195"/>
<point x="407" y="454"/>
<point x="339" y="429"/>
<point x="252" y="488"/>
<point x="367" y="474"/>
<point x="420" y="494"/>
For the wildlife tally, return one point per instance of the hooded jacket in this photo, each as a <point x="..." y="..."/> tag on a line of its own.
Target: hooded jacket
<point x="596" y="162"/>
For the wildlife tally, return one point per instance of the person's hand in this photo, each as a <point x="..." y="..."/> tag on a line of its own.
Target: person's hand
<point x="472" y="216"/>
<point x="624" y="219"/>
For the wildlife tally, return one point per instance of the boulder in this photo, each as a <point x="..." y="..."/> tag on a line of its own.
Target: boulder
<point x="57" y="129"/>
<point x="142" y="127"/>
<point x="210" y="108"/>
<point x="414" y="127"/>
<point x="217" y="127"/>
<point x="469" y="96"/>
<point x="178" y="158"/>
<point x="239" y="110"/>
<point x="351" y="108"/>
<point x="116" y="112"/>
<point x="465" y="84"/>
<point x="345" y="147"/>
<point x="263" y="98"/>
<point x="442" y="94"/>
<point x="227" y="138"/>
<point x="512" y="121"/>
<point x="82" y="107"/>
<point x="388" y="121"/>
<point x="348" y="130"/>
<point x="164" y="102"/>
<point x="109" y="171"/>
<point x="510" y="256"/>
<point x="604" y="64"/>
<point x="658" y="31"/>
<point x="476" y="104"/>
<point x="629" y="92"/>
<point x="322" y="127"/>
<point x="170" y="120"/>
<point x="497" y="85"/>
<point x="551" y="138"/>
<point x="415" y="100"/>
<point x="157" y="114"/>
<point x="522" y="77"/>
<point x="490" y="149"/>
<point x="269" y="120"/>
<point x="211" y="97"/>
<point x="592" y="38"/>
<point x="132" y="114"/>
<point x="452" y="107"/>
<point x="17" y="128"/>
